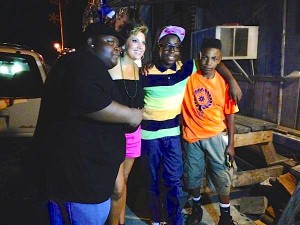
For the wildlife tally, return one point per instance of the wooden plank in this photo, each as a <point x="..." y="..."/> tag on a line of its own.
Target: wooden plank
<point x="287" y="130"/>
<point x="292" y="208"/>
<point x="265" y="151"/>
<point x="253" y="205"/>
<point x="244" y="178"/>
<point x="267" y="219"/>
<point x="280" y="130"/>
<point x="252" y="138"/>
<point x="288" y="140"/>
<point x="240" y="129"/>
<point x="288" y="181"/>
<point x="270" y="154"/>
<point x="270" y="211"/>
<point x="254" y="123"/>
<point x="246" y="121"/>
<point x="290" y="163"/>
<point x="258" y="222"/>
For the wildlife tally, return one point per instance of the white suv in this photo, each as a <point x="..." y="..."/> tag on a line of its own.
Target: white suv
<point x="22" y="74"/>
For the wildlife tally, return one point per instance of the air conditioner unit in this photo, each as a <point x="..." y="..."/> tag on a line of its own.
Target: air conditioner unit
<point x="238" y="42"/>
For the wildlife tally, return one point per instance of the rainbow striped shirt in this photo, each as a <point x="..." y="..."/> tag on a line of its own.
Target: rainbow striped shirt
<point x="163" y="95"/>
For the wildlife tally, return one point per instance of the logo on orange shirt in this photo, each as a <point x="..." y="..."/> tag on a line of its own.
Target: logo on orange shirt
<point x="202" y="99"/>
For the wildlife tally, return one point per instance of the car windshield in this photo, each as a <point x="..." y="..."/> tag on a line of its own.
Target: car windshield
<point x="19" y="76"/>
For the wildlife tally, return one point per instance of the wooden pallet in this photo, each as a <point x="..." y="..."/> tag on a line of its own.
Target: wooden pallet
<point x="251" y="131"/>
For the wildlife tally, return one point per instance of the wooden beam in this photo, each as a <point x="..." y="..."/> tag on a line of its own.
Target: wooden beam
<point x="253" y="205"/>
<point x="290" y="164"/>
<point x="258" y="222"/>
<point x="245" y="178"/>
<point x="266" y="219"/>
<point x="240" y="129"/>
<point x="270" y="211"/>
<point x="287" y="130"/>
<point x="288" y="181"/>
<point x="254" y="123"/>
<point x="270" y="154"/>
<point x="252" y="138"/>
<point x="249" y="122"/>
<point x="287" y="140"/>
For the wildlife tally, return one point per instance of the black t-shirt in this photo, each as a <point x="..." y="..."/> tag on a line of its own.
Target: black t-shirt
<point x="78" y="158"/>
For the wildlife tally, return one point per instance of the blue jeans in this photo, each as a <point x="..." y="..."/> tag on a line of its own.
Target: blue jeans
<point x="162" y="160"/>
<point x="78" y="213"/>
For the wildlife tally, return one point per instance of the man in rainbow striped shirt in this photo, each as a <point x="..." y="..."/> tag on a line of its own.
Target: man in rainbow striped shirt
<point x="164" y="88"/>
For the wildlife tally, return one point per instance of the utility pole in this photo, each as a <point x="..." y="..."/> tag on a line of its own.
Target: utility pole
<point x="61" y="24"/>
<point x="58" y="19"/>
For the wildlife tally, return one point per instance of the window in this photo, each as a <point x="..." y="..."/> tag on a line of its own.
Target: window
<point x="19" y="76"/>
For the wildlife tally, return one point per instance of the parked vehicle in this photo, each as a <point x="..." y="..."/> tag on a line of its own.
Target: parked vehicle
<point x="22" y="74"/>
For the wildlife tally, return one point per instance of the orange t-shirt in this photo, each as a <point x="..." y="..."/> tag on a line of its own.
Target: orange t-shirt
<point x="205" y="104"/>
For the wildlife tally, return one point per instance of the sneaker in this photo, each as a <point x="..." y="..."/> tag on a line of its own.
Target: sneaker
<point x="152" y="223"/>
<point x="160" y="223"/>
<point x="196" y="216"/>
<point x="227" y="220"/>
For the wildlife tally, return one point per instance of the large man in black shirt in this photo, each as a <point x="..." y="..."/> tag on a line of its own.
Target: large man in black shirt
<point x="79" y="139"/>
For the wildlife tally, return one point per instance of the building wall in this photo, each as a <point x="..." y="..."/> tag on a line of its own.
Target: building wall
<point x="261" y="99"/>
<point x="291" y="89"/>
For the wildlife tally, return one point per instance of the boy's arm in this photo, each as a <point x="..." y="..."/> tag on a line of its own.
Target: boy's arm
<point x="144" y="70"/>
<point x="230" y="131"/>
<point x="234" y="88"/>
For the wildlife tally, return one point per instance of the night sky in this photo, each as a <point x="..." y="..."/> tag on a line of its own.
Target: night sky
<point x="27" y="22"/>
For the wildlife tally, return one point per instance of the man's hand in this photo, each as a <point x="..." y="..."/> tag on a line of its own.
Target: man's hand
<point x="136" y="117"/>
<point x="230" y="151"/>
<point x="145" y="68"/>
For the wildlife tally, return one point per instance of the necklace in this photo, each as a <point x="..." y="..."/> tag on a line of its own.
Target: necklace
<point x="125" y="86"/>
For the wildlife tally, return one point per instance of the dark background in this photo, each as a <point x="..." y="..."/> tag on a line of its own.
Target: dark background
<point x="27" y="23"/>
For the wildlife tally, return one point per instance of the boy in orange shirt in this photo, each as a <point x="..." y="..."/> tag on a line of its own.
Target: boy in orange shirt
<point x="205" y="107"/>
